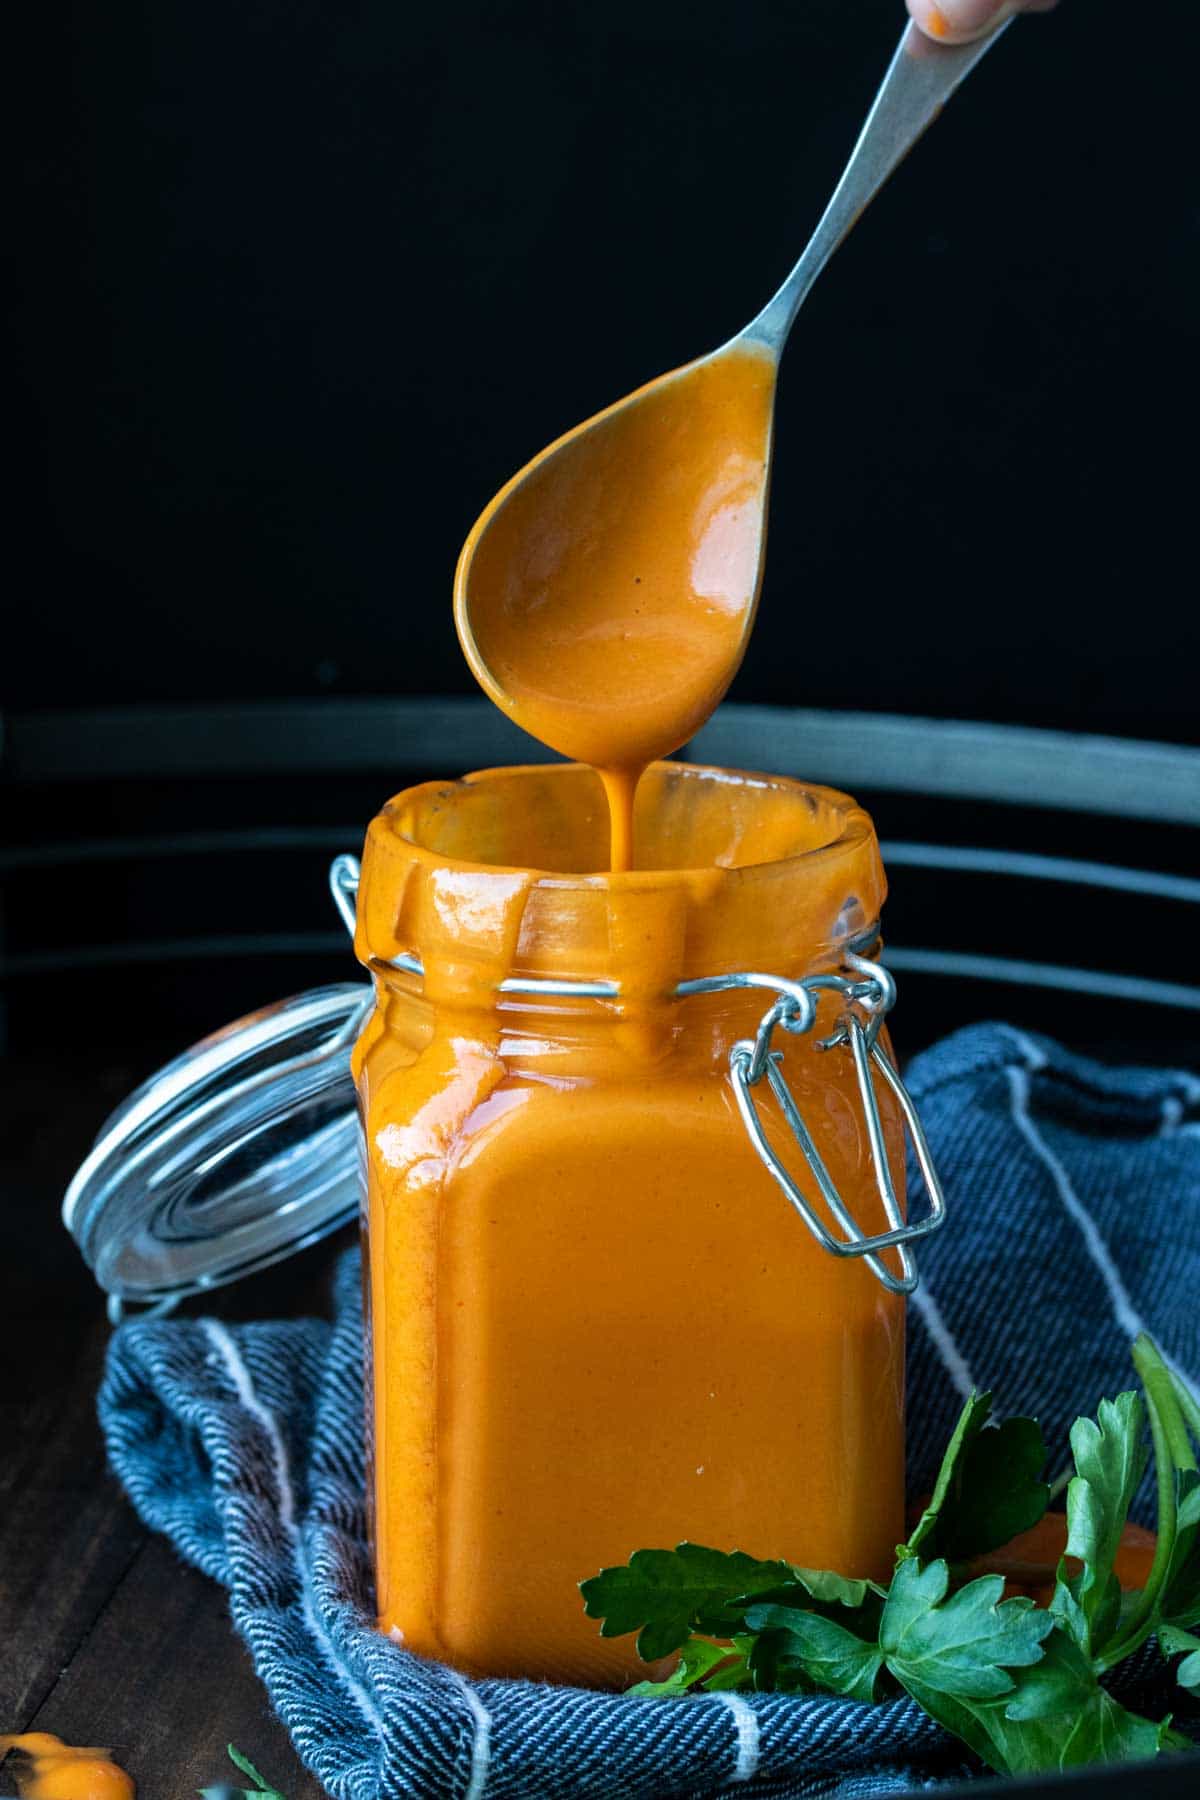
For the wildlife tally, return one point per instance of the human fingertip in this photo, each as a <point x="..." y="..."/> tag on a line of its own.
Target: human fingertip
<point x="958" y="21"/>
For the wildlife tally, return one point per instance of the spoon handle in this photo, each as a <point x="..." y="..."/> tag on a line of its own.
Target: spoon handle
<point x="921" y="78"/>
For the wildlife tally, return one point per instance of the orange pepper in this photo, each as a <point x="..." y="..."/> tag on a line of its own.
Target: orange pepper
<point x="1029" y="1563"/>
<point x="52" y="1770"/>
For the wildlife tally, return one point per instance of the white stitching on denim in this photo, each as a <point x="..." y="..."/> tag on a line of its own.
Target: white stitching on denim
<point x="746" y="1724"/>
<point x="1020" y="1088"/>
<point x="1175" y="1105"/>
<point x="1172" y="1115"/>
<point x="243" y="1383"/>
<point x="1124" y="1311"/>
<point x="953" y="1360"/>
<point x="481" y="1747"/>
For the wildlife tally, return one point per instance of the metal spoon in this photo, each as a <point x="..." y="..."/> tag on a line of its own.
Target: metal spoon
<point x="544" y="595"/>
<point x="921" y="77"/>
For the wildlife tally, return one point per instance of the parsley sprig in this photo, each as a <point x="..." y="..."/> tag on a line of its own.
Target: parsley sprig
<point x="1019" y="1683"/>
<point x="262" y="1790"/>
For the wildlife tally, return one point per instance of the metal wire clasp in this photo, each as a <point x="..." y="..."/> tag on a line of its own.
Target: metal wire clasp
<point x="870" y="993"/>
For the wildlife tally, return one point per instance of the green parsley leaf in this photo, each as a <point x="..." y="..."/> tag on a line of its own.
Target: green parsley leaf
<point x="225" y="1792"/>
<point x="824" y="1652"/>
<point x="1058" y="1717"/>
<point x="1181" y="1595"/>
<point x="736" y="1672"/>
<point x="1010" y="1747"/>
<point x="262" y="1789"/>
<point x="1000" y="1492"/>
<point x="964" y="1645"/>
<point x="1171" y="1641"/>
<point x="698" y="1659"/>
<point x="1077" y="1720"/>
<point x="1110" y="1459"/>
<point x="1107" y="1732"/>
<point x="856" y="1605"/>
<point x="1063" y="1682"/>
<point x="245" y="1765"/>
<point x="665" y="1595"/>
<point x="971" y="1421"/>
<point x="1180" y="1603"/>
<point x="770" y="1670"/>
<point x="988" y="1489"/>
<point x="1175" y="1476"/>
<point x="829" y="1589"/>
<point x="1189" y="1505"/>
<point x="950" y="1656"/>
<point x="1018" y="1684"/>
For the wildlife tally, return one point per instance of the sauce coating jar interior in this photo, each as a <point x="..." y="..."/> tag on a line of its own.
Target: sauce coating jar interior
<point x="594" y="1323"/>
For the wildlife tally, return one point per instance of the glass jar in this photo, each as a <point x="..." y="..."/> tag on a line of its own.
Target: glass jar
<point x="595" y="1322"/>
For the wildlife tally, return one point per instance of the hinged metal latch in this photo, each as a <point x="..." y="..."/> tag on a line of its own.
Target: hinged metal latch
<point x="869" y="993"/>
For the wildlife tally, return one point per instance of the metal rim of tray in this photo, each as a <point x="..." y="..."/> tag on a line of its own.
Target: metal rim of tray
<point x="1009" y="765"/>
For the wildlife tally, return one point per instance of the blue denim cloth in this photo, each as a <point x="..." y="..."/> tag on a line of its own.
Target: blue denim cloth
<point x="1075" y="1222"/>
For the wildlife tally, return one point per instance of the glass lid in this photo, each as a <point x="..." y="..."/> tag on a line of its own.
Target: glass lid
<point x="239" y="1152"/>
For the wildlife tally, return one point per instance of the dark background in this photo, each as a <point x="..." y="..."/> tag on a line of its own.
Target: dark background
<point x="301" y="284"/>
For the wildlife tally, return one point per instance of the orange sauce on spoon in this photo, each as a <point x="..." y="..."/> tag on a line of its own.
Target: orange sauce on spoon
<point x="606" y="596"/>
<point x="52" y="1770"/>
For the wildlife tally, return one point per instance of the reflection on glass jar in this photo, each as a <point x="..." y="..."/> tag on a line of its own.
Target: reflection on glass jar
<point x="595" y="1323"/>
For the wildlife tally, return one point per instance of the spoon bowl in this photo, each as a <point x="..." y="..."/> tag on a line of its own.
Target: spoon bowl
<point x="605" y="597"/>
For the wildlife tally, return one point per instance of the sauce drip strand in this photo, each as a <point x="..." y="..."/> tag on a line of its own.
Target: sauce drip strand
<point x="48" y="1769"/>
<point x="605" y="598"/>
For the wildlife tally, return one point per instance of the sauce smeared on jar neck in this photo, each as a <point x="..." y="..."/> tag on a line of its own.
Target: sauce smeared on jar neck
<point x="52" y="1770"/>
<point x="606" y="596"/>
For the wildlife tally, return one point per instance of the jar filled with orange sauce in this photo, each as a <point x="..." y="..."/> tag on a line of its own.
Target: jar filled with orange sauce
<point x="595" y="1322"/>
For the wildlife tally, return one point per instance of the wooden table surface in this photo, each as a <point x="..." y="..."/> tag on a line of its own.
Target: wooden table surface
<point x="106" y="1636"/>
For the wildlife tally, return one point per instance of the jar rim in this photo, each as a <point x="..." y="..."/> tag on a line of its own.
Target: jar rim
<point x="785" y="873"/>
<point x="855" y="827"/>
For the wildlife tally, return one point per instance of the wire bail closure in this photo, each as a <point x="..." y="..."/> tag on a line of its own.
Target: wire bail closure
<point x="869" y="993"/>
<point x="869" y="999"/>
